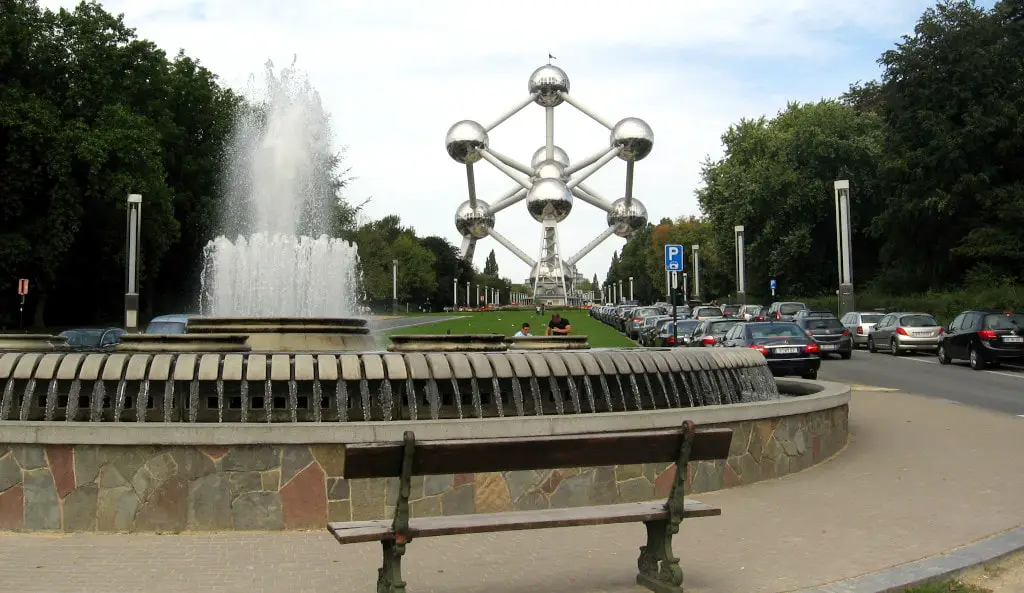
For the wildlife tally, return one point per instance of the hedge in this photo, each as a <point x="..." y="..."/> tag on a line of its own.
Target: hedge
<point x="943" y="305"/>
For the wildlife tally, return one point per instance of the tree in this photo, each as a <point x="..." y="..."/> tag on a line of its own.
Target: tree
<point x="449" y="269"/>
<point x="595" y="285"/>
<point x="491" y="265"/>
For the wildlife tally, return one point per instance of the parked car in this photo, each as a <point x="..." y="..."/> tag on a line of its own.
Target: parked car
<point x="93" y="339"/>
<point x="684" y="333"/>
<point x="860" y="323"/>
<point x="784" y="344"/>
<point x="711" y="331"/>
<point x="706" y="312"/>
<point x="983" y="338"/>
<point x="636" y="320"/>
<point x="752" y="313"/>
<point x="809" y="314"/>
<point x="784" y="310"/>
<point x="731" y="310"/>
<point x="830" y="335"/>
<point x="903" y="332"/>
<point x="168" y="324"/>
<point x="649" y="329"/>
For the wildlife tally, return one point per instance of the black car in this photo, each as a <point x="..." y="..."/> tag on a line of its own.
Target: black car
<point x="831" y="335"/>
<point x="684" y="332"/>
<point x="93" y="339"/>
<point x="784" y="344"/>
<point x="983" y="338"/>
<point x="710" y="332"/>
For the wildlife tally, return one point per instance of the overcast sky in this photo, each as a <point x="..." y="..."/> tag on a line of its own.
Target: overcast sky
<point x="395" y="75"/>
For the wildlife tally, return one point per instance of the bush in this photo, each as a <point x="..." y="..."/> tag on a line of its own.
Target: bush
<point x="943" y="305"/>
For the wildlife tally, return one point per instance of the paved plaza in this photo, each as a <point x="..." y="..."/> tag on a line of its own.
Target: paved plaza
<point x="919" y="477"/>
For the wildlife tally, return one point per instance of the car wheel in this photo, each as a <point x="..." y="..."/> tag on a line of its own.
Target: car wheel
<point x="810" y="375"/>
<point x="846" y="355"/>
<point x="871" y="346"/>
<point x="894" y="348"/>
<point x="943" y="357"/>
<point x="975" y="359"/>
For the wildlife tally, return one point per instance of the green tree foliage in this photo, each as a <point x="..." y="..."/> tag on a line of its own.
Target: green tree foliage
<point x="491" y="265"/>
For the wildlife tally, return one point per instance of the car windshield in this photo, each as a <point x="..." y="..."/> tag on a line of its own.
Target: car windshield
<point x="918" y="321"/>
<point x="791" y="308"/>
<point x="646" y="312"/>
<point x="817" y="324"/>
<point x="870" y="318"/>
<point x="720" y="328"/>
<point x="1011" y="322"/>
<point x="774" y="330"/>
<point x="165" y="327"/>
<point x="83" y="338"/>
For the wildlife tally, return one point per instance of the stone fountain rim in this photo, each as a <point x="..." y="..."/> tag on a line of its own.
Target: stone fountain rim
<point x="816" y="396"/>
<point x="448" y="338"/>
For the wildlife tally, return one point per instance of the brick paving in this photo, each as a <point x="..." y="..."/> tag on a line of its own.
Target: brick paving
<point x="919" y="477"/>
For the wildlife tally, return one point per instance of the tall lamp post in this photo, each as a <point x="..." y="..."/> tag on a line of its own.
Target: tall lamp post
<point x="455" y="294"/>
<point x="843" y="246"/>
<point x="696" y="272"/>
<point x="741" y="272"/>
<point x="131" y="297"/>
<point x="631" y="288"/>
<point x="467" y="296"/>
<point x="620" y="291"/>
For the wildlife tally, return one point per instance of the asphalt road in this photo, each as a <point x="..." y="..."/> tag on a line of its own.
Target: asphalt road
<point x="999" y="390"/>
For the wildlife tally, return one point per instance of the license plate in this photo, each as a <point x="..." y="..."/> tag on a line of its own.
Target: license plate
<point x="786" y="350"/>
<point x="1013" y="339"/>
<point x="830" y="347"/>
<point x="923" y="334"/>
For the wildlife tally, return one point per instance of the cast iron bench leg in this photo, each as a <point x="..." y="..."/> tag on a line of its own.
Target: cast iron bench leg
<point x="659" y="568"/>
<point x="389" y="576"/>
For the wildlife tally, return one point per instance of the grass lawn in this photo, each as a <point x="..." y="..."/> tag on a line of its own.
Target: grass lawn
<point x="948" y="587"/>
<point x="507" y="323"/>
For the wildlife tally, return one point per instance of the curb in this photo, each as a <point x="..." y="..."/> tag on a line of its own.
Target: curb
<point x="931" y="569"/>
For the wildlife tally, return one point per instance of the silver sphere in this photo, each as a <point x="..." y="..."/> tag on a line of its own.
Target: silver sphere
<point x="546" y="83"/>
<point x="542" y="153"/>
<point x="474" y="223"/>
<point x="549" y="199"/>
<point x="464" y="141"/>
<point x="550" y="170"/>
<point x="627" y="220"/>
<point x="635" y="137"/>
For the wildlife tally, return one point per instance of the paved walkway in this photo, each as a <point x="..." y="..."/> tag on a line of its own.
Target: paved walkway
<point x="919" y="477"/>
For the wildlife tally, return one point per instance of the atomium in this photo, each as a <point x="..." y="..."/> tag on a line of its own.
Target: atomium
<point x="549" y="185"/>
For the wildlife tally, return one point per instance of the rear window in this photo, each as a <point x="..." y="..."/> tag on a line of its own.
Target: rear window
<point x="721" y="327"/>
<point x="731" y="308"/>
<point x="823" y="324"/>
<point x="165" y="327"/>
<point x="774" y="330"/>
<point x="790" y="308"/>
<point x="709" y="312"/>
<point x="918" y="321"/>
<point x="682" y="327"/>
<point x="1011" y="322"/>
<point x="646" y="312"/>
<point x="870" y="318"/>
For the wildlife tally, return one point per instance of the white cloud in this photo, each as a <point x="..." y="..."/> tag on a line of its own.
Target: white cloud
<point x="395" y="75"/>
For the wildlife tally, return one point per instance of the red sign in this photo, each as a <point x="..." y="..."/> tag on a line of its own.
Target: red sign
<point x="23" y="286"/>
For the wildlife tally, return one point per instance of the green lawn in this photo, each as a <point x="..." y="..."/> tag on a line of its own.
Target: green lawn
<point x="948" y="587"/>
<point x="507" y="323"/>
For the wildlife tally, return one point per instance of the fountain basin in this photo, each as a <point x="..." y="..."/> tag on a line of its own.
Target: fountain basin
<point x="549" y="343"/>
<point x="183" y="343"/>
<point x="290" y="334"/>
<point x="32" y="342"/>
<point x="204" y="477"/>
<point x="448" y="343"/>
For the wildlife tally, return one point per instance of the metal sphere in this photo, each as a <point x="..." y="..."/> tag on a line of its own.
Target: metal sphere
<point x="542" y="153"/>
<point x="474" y="223"/>
<point x="627" y="220"/>
<point x="550" y="170"/>
<point x="549" y="199"/>
<point x="635" y="137"/>
<point x="546" y="83"/>
<point x="464" y="141"/>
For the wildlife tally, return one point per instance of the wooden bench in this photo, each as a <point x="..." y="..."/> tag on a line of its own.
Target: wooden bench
<point x="659" y="568"/>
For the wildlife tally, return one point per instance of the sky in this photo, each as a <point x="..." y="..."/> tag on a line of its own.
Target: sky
<point x="395" y="75"/>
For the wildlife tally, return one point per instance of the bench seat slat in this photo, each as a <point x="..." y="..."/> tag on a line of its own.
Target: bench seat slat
<point x="371" y="531"/>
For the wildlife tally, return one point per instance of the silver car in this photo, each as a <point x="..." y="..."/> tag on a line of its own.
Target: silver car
<point x="860" y="324"/>
<point x="904" y="332"/>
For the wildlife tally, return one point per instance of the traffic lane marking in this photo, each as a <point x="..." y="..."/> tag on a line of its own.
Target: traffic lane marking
<point x="1013" y="375"/>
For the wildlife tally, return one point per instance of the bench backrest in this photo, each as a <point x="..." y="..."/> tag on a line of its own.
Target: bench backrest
<point x="384" y="460"/>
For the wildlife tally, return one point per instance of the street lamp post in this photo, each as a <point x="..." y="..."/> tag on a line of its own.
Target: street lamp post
<point x="394" y="286"/>
<point x="467" y="295"/>
<point x="741" y="272"/>
<point x="621" y="297"/>
<point x="696" y="272"/>
<point x="686" y="296"/>
<point x="455" y="294"/>
<point x="631" y="288"/>
<point x="843" y="246"/>
<point x="131" y="297"/>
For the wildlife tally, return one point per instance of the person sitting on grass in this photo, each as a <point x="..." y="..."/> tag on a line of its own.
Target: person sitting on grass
<point x="558" y="326"/>
<point x="524" y="331"/>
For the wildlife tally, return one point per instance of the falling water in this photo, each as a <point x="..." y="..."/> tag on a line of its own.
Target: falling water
<point x="26" y="399"/>
<point x="635" y="390"/>
<point x="538" y="405"/>
<point x="675" y="390"/>
<point x="293" y="400"/>
<point x="193" y="400"/>
<point x="99" y="392"/>
<point x="6" y="402"/>
<point x="622" y="392"/>
<point x="119" y="396"/>
<point x="517" y="396"/>
<point x="433" y="399"/>
<point x="280" y="187"/>
<point x="318" y="401"/>
<point x="574" y="396"/>
<point x="268" y="401"/>
<point x="51" y="401"/>
<point x="410" y="396"/>
<point x="386" y="398"/>
<point x="341" y="394"/>
<point x="499" y="401"/>
<point x="220" y="400"/>
<point x="664" y="390"/>
<point x="457" y="397"/>
<point x="73" y="394"/>
<point x="142" y="401"/>
<point x="168" y="399"/>
<point x="606" y="390"/>
<point x="364" y="399"/>
<point x="556" y="395"/>
<point x="588" y="388"/>
<point x="243" y="400"/>
<point x="689" y="383"/>
<point x="474" y="392"/>
<point x="650" y="391"/>
<point x="707" y="391"/>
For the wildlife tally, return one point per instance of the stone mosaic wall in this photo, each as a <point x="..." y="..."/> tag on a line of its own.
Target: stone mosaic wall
<point x="265" y="487"/>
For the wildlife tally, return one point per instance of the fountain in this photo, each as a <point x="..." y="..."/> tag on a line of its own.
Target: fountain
<point x="242" y="422"/>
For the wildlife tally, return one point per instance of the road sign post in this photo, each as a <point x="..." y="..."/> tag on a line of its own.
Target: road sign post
<point x="22" y="292"/>
<point x="675" y="300"/>
<point x="773" y="285"/>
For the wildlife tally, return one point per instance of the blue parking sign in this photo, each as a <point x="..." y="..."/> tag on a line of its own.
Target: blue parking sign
<point x="772" y="285"/>
<point x="674" y="258"/>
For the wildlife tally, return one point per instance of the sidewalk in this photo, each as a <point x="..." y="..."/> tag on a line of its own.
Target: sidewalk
<point x="919" y="477"/>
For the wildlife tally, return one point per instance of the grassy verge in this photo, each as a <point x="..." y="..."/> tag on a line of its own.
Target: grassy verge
<point x="507" y="323"/>
<point x="943" y="305"/>
<point x="948" y="587"/>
